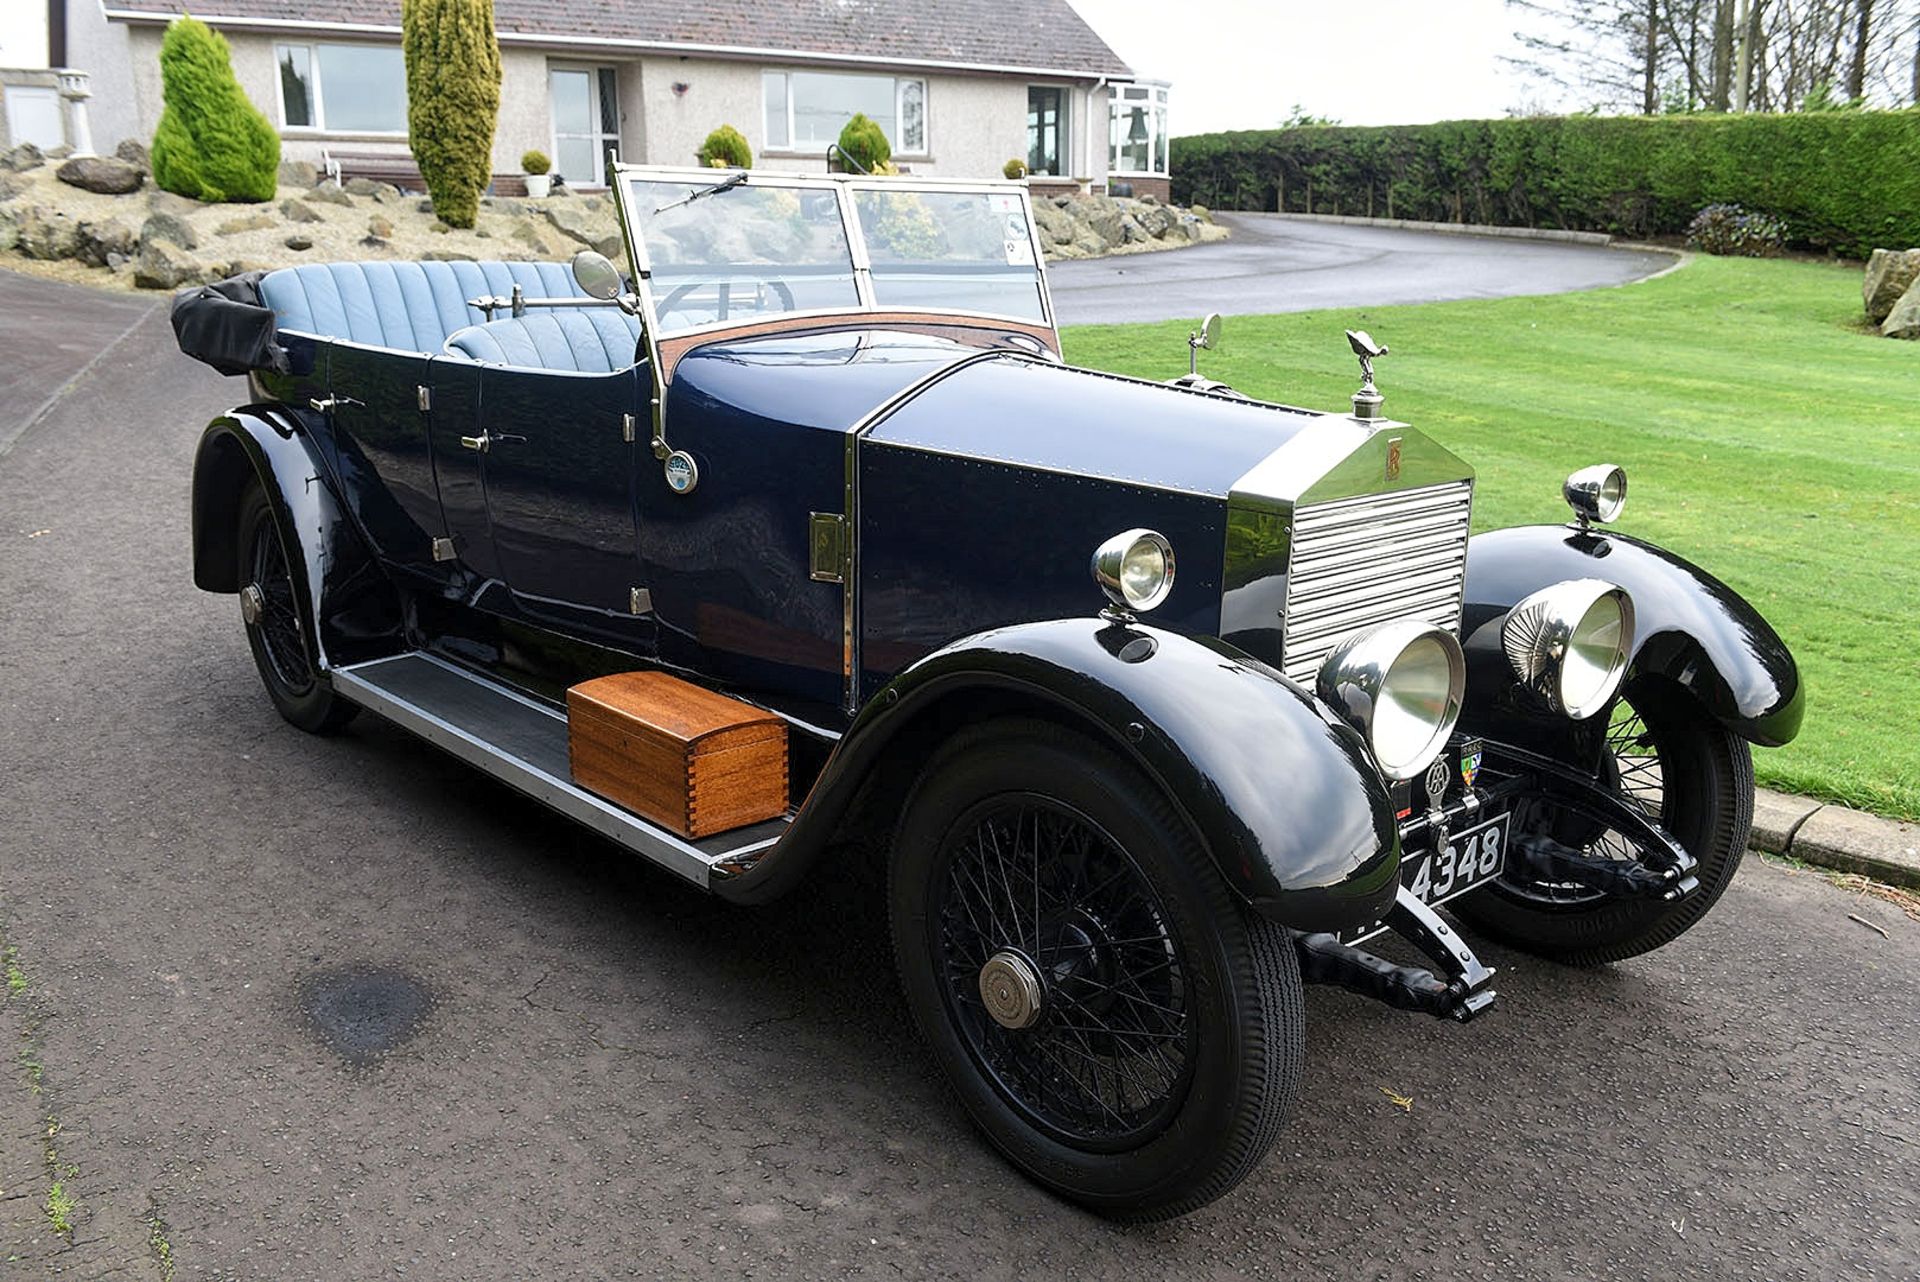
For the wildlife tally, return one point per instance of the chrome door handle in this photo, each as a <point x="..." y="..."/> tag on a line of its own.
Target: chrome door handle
<point x="481" y="442"/>
<point x="328" y="404"/>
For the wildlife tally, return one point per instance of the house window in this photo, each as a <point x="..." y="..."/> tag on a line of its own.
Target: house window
<point x="806" y="110"/>
<point x="1137" y="131"/>
<point x="1046" y="130"/>
<point x="343" y="89"/>
<point x="586" y="122"/>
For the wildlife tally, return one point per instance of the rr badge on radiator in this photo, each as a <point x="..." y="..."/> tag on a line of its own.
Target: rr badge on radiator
<point x="1470" y="754"/>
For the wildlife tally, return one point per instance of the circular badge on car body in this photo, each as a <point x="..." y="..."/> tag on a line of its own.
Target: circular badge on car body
<point x="682" y="472"/>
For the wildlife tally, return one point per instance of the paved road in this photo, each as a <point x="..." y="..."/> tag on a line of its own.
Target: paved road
<point x="1281" y="265"/>
<point x="608" y="1075"/>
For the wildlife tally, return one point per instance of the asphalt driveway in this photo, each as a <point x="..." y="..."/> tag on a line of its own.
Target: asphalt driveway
<point x="217" y="922"/>
<point x="1282" y="265"/>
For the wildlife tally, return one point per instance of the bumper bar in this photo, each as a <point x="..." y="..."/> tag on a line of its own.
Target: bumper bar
<point x="1464" y="993"/>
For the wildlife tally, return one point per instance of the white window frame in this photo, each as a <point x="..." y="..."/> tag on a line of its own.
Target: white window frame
<point x="1157" y="103"/>
<point x="320" y="129"/>
<point x="597" y="108"/>
<point x="792" y="148"/>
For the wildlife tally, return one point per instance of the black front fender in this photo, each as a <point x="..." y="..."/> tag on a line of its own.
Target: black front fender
<point x="353" y="612"/>
<point x="1689" y="627"/>
<point x="1286" y="800"/>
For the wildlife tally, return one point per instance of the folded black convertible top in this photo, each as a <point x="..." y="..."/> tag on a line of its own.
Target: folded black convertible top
<point x="226" y="326"/>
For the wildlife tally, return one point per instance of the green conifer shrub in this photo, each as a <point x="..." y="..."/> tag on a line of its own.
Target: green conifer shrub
<point x="453" y="100"/>
<point x="865" y="143"/>
<point x="726" y="148"/>
<point x="212" y="143"/>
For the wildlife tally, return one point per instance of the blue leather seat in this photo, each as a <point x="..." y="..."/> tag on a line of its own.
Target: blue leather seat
<point x="594" y="340"/>
<point x="410" y="307"/>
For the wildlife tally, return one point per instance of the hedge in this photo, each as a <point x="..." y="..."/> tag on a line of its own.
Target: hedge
<point x="1843" y="181"/>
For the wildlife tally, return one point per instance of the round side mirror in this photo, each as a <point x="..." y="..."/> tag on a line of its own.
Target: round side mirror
<point x="596" y="275"/>
<point x="1210" y="331"/>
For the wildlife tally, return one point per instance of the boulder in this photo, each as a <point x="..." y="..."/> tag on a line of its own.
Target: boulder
<point x="448" y="256"/>
<point x="103" y="175"/>
<point x="1156" y="218"/>
<point x="1889" y="274"/>
<point x="170" y="228"/>
<point x="331" y="194"/>
<point x="365" y="187"/>
<point x="1055" y="224"/>
<point x="1201" y="212"/>
<point x="299" y="173"/>
<point x="246" y="223"/>
<point x="1131" y="231"/>
<point x="380" y="227"/>
<point x="299" y="241"/>
<point x="24" y="157"/>
<point x="298" y="211"/>
<point x="528" y="233"/>
<point x="9" y="228"/>
<point x="1102" y="215"/>
<point x="1903" y="318"/>
<point x="135" y="153"/>
<point x="102" y="242"/>
<point x="577" y="225"/>
<point x="10" y="186"/>
<point x="160" y="265"/>
<point x="48" y="234"/>
<point x="162" y="201"/>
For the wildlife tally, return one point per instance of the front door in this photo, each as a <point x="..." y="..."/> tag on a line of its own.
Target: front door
<point x="586" y="122"/>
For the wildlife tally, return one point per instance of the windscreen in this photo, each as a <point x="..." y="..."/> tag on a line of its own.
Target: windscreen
<point x="967" y="251"/>
<point x="743" y="253"/>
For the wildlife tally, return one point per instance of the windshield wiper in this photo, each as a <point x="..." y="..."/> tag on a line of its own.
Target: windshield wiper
<point x="698" y="192"/>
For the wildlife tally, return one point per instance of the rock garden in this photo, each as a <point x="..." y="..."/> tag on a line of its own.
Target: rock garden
<point x="1891" y="292"/>
<point x="104" y="213"/>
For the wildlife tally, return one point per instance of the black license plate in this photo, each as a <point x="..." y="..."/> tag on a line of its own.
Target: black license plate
<point x="1472" y="857"/>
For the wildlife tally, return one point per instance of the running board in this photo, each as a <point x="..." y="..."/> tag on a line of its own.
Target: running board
<point x="523" y="743"/>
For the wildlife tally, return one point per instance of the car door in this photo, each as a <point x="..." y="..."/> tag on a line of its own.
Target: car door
<point x="556" y="466"/>
<point x="382" y="453"/>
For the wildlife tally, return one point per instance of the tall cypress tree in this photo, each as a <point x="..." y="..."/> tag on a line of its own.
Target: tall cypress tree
<point x="453" y="100"/>
<point x="212" y="143"/>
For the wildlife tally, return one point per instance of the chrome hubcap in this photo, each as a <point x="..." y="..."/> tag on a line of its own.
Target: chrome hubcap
<point x="253" y="604"/>
<point x="1010" y="987"/>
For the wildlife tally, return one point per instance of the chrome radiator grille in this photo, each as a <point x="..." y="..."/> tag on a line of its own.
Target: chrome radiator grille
<point x="1361" y="561"/>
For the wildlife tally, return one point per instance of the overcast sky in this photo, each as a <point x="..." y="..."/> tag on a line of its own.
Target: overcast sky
<point x="1243" y="64"/>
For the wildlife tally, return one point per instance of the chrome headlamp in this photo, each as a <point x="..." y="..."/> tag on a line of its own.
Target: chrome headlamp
<point x="1569" y="644"/>
<point x="1135" y="569"/>
<point x="1400" y="685"/>
<point x="1596" y="493"/>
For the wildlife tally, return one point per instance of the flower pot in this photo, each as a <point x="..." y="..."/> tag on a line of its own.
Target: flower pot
<point x="538" y="185"/>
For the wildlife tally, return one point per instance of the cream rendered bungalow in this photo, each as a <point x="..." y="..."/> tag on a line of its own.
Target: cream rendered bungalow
<point x="959" y="88"/>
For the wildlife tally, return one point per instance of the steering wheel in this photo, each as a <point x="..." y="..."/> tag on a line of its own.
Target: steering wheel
<point x="674" y="301"/>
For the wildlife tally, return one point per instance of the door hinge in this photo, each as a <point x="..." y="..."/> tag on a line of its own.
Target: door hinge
<point x="827" y="547"/>
<point x="639" y="601"/>
<point x="424" y="395"/>
<point x="627" y="427"/>
<point x="443" y="550"/>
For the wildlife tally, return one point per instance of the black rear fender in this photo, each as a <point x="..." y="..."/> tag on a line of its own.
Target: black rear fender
<point x="1285" y="800"/>
<point x="357" y="608"/>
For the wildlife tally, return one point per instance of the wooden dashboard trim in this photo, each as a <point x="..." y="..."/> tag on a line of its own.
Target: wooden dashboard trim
<point x="964" y="329"/>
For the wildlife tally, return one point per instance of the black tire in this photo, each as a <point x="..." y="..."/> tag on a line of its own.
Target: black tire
<point x="1698" y="781"/>
<point x="278" y="637"/>
<point x="1194" y="1076"/>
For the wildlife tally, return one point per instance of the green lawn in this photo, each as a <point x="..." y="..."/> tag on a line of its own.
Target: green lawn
<point x="1768" y="437"/>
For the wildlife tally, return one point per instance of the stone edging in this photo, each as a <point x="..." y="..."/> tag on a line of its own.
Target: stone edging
<point x="1455" y="229"/>
<point x="1836" y="837"/>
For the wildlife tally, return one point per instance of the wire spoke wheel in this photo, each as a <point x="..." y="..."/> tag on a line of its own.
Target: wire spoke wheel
<point x="278" y="615"/>
<point x="1091" y="1036"/>
<point x="1665" y="755"/>
<point x="1631" y="764"/>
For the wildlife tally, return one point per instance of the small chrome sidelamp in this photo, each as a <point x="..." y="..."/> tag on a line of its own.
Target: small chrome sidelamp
<point x="1597" y="493"/>
<point x="1135" y="570"/>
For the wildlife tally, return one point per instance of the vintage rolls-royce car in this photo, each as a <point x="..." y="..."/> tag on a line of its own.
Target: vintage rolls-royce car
<point x="801" y="534"/>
